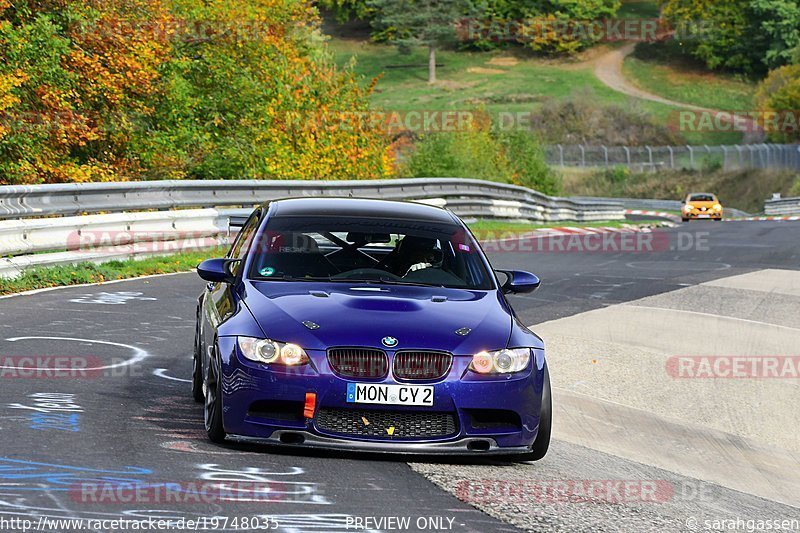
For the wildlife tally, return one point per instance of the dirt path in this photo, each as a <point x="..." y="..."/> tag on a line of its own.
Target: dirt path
<point x="609" y="70"/>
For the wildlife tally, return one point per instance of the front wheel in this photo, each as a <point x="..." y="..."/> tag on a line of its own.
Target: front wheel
<point x="213" y="405"/>
<point x="542" y="443"/>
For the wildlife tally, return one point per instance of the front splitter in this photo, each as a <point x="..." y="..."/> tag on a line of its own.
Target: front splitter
<point x="469" y="446"/>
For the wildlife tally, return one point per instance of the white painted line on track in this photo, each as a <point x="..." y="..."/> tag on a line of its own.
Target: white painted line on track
<point x="162" y="373"/>
<point x="139" y="354"/>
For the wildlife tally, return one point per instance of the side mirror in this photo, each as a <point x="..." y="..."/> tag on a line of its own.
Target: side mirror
<point x="519" y="282"/>
<point x="683" y="202"/>
<point x="217" y="270"/>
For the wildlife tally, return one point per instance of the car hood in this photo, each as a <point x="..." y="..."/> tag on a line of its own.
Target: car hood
<point x="363" y="314"/>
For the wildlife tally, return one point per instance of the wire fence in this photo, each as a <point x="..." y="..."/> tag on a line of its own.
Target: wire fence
<point x="654" y="158"/>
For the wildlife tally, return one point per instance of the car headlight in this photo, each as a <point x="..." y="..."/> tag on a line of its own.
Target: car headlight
<point x="687" y="208"/>
<point x="717" y="207"/>
<point x="501" y="361"/>
<point x="272" y="352"/>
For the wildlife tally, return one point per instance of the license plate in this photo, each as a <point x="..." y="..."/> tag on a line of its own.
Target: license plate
<point x="703" y="216"/>
<point x="390" y="394"/>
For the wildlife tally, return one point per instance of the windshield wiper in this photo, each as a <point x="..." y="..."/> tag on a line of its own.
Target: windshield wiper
<point x="294" y="278"/>
<point x="329" y="279"/>
<point x="391" y="281"/>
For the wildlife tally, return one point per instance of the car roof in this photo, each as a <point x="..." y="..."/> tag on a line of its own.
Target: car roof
<point x="702" y="194"/>
<point x="359" y="207"/>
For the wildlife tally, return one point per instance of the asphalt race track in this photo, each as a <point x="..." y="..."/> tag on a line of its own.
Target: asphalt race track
<point x="131" y="417"/>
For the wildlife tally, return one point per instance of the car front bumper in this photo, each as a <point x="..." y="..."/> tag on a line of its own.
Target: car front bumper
<point x="470" y="399"/>
<point x="702" y="215"/>
<point x="308" y="439"/>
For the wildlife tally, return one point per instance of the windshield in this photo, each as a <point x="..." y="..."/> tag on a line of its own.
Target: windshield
<point x="702" y="198"/>
<point x="368" y="250"/>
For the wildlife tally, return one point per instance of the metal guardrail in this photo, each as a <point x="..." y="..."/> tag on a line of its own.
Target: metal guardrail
<point x="87" y="198"/>
<point x="657" y="205"/>
<point x="782" y="207"/>
<point x="99" y="238"/>
<point x="103" y="221"/>
<point x="639" y="203"/>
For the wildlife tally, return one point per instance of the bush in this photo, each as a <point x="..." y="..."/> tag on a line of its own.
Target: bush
<point x="617" y="175"/>
<point x="795" y="190"/>
<point x="780" y="92"/>
<point x="527" y="162"/>
<point x="514" y="157"/>
<point x="577" y="120"/>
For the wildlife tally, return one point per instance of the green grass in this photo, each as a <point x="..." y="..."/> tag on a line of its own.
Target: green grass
<point x="467" y="80"/>
<point x="683" y="83"/>
<point x="41" y="278"/>
<point x="474" y="80"/>
<point x="483" y="227"/>
<point x="740" y="189"/>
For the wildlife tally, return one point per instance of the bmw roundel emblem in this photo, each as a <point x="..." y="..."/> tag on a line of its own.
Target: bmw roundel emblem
<point x="389" y="342"/>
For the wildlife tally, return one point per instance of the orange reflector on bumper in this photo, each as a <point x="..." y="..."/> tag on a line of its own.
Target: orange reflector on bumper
<point x="311" y="405"/>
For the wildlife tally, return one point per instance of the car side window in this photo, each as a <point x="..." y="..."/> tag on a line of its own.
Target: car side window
<point x="242" y="243"/>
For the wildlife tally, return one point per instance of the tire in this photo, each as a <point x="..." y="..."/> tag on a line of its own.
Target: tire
<point x="542" y="443"/>
<point x="197" y="367"/>
<point x="685" y="219"/>
<point x="212" y="408"/>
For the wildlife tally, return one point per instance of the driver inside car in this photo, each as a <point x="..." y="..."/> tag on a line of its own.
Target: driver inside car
<point x="412" y="254"/>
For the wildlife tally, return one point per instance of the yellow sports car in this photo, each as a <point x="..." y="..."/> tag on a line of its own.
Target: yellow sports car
<point x="701" y="205"/>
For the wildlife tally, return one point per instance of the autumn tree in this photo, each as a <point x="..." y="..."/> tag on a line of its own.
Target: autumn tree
<point x="251" y="95"/>
<point x="140" y="89"/>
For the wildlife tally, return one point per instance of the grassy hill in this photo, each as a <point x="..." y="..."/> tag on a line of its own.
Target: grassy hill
<point x="510" y="81"/>
<point x="654" y="69"/>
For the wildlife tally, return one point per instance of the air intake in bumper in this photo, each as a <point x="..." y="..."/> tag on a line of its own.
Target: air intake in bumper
<point x="386" y="424"/>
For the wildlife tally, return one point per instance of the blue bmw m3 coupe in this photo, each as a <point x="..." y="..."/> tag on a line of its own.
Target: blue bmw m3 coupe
<point x="369" y="325"/>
